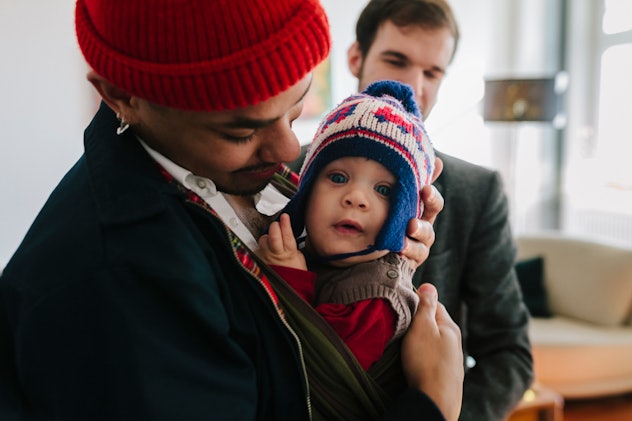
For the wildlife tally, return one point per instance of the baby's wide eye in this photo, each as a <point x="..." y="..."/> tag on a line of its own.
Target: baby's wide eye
<point x="383" y="190"/>
<point x="338" y="178"/>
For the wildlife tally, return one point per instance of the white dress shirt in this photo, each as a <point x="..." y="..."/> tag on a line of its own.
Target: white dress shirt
<point x="268" y="202"/>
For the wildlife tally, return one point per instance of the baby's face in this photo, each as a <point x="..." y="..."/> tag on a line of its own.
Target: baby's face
<point x="347" y="207"/>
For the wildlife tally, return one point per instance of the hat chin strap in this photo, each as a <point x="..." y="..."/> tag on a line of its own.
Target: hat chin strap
<point x="325" y="259"/>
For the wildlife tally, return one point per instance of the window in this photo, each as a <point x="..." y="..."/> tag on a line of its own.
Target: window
<point x="599" y="179"/>
<point x="617" y="16"/>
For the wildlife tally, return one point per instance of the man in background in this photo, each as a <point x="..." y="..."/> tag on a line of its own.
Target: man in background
<point x="471" y="261"/>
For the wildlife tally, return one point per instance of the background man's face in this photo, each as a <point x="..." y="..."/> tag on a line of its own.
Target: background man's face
<point x="412" y="54"/>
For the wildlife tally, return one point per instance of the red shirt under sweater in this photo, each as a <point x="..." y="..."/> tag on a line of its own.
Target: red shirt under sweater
<point x="366" y="326"/>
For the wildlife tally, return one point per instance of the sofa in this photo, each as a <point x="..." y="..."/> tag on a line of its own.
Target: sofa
<point x="579" y="291"/>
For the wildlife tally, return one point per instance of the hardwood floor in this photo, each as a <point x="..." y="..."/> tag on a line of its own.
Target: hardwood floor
<point x="617" y="408"/>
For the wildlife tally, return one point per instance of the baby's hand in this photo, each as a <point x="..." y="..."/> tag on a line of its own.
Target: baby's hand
<point x="278" y="246"/>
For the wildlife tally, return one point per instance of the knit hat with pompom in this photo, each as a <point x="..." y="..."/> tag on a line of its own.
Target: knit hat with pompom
<point x="382" y="123"/>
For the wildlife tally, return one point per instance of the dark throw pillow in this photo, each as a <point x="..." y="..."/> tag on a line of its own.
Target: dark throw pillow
<point x="531" y="279"/>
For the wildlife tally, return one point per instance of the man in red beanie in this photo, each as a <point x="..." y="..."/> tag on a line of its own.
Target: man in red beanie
<point x="135" y="295"/>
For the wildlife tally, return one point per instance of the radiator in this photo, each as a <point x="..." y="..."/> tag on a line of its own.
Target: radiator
<point x="610" y="226"/>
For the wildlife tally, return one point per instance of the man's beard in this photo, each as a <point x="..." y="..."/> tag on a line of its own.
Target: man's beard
<point x="243" y="191"/>
<point x="246" y="190"/>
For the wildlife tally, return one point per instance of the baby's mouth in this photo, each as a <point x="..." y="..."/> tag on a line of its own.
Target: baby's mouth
<point x="347" y="226"/>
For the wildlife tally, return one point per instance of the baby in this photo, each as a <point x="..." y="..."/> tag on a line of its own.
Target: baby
<point x="359" y="186"/>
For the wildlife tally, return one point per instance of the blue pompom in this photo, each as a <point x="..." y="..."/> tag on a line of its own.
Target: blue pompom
<point x="402" y="92"/>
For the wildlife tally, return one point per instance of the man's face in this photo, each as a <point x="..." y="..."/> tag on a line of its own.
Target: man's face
<point x="347" y="207"/>
<point x="412" y="55"/>
<point x="238" y="149"/>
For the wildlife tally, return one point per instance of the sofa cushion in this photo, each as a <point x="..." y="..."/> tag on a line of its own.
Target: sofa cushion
<point x="530" y="274"/>
<point x="584" y="279"/>
<point x="564" y="331"/>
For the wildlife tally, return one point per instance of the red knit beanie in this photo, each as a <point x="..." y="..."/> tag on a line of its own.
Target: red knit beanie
<point x="202" y="55"/>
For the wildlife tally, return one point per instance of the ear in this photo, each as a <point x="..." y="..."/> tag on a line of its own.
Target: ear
<point x="355" y="59"/>
<point x="117" y="99"/>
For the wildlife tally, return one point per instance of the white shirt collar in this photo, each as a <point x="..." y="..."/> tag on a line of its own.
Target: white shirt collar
<point x="268" y="202"/>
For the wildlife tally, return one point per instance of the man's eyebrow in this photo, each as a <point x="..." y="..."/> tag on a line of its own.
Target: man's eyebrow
<point x="392" y="54"/>
<point x="254" y="123"/>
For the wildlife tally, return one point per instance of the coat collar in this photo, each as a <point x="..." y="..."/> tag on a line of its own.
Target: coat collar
<point x="126" y="182"/>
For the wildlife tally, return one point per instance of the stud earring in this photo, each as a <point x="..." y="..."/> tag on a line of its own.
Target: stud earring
<point x="123" y="125"/>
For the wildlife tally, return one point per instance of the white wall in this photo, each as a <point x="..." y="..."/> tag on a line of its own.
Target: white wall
<point x="44" y="106"/>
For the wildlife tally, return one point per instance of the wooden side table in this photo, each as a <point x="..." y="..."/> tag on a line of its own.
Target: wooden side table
<point x="539" y="404"/>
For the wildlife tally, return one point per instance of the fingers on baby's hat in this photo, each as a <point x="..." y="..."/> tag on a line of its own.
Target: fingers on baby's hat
<point x="433" y="203"/>
<point x="438" y="169"/>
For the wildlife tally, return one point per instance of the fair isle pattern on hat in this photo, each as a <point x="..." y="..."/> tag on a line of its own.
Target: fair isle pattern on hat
<point x="382" y="123"/>
<point x="202" y="55"/>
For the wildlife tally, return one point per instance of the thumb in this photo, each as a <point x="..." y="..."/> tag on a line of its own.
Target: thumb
<point x="428" y="301"/>
<point x="428" y="294"/>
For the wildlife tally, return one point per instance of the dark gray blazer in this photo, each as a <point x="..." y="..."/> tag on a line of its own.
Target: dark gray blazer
<point x="471" y="264"/>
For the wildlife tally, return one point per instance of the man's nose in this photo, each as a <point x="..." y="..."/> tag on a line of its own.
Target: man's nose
<point x="279" y="143"/>
<point x="418" y="82"/>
